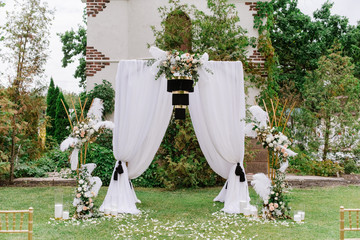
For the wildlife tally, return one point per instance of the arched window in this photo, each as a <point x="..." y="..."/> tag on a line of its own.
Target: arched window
<point x="178" y="31"/>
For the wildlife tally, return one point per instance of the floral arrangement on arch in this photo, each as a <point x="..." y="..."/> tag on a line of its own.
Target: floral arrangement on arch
<point x="273" y="187"/>
<point x="86" y="190"/>
<point x="181" y="64"/>
<point x="84" y="130"/>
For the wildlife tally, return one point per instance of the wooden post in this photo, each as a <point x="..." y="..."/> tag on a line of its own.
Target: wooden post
<point x="342" y="225"/>
<point x="30" y="228"/>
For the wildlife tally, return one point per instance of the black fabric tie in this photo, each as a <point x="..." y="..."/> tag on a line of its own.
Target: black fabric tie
<point x="118" y="170"/>
<point x="239" y="172"/>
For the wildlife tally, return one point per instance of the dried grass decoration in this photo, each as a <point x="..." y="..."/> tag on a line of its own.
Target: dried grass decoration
<point x="84" y="130"/>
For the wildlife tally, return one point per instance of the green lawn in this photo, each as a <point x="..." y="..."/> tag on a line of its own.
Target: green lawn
<point x="184" y="214"/>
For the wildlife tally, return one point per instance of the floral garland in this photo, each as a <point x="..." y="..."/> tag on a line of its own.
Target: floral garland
<point x="83" y="202"/>
<point x="277" y="206"/>
<point x="85" y="132"/>
<point x="180" y="63"/>
<point x="273" y="139"/>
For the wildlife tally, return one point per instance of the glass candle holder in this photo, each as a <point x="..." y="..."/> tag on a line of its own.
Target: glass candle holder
<point x="58" y="197"/>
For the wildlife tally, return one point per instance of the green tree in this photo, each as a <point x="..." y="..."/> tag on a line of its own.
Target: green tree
<point x="105" y="92"/>
<point x="218" y="33"/>
<point x="61" y="119"/>
<point x="51" y="97"/>
<point x="26" y="33"/>
<point x="331" y="105"/>
<point x="300" y="41"/>
<point x="74" y="47"/>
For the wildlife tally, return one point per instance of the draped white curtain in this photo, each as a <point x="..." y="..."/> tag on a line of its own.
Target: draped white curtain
<point x="142" y="113"/>
<point x="217" y="109"/>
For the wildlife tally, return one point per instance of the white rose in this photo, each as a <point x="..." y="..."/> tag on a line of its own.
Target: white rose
<point x="81" y="181"/>
<point x="177" y="58"/>
<point x="276" y="198"/>
<point x="271" y="145"/>
<point x="79" y="208"/>
<point x="79" y="189"/>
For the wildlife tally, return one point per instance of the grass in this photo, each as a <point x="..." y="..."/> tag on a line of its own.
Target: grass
<point x="184" y="214"/>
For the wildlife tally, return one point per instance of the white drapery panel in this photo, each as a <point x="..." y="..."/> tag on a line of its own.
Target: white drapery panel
<point x="142" y="113"/>
<point x="217" y="109"/>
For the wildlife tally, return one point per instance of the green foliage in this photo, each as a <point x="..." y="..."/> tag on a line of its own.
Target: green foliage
<point x="53" y="160"/>
<point x="303" y="164"/>
<point x="26" y="32"/>
<point x="179" y="162"/>
<point x="217" y="33"/>
<point x="61" y="119"/>
<point x="103" y="91"/>
<point x="350" y="166"/>
<point x="299" y="41"/>
<point x="104" y="160"/>
<point x="74" y="47"/>
<point x="332" y="106"/>
<point x="105" y="139"/>
<point x="51" y="97"/>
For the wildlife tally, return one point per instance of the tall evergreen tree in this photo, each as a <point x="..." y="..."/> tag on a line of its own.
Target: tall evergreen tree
<point x="51" y="108"/>
<point x="61" y="119"/>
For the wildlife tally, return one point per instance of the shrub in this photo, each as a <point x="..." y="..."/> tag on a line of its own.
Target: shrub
<point x="104" y="160"/>
<point x="303" y="164"/>
<point x="179" y="162"/>
<point x="53" y="160"/>
<point x="350" y="166"/>
<point x="103" y="91"/>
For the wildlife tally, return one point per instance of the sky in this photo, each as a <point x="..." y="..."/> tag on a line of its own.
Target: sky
<point x="68" y="15"/>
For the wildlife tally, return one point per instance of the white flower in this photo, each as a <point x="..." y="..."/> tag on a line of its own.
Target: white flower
<point x="92" y="131"/>
<point x="88" y="194"/>
<point x="276" y="198"/>
<point x="79" y="208"/>
<point x="268" y="140"/>
<point x="177" y="58"/>
<point x="266" y="202"/>
<point x="272" y="192"/>
<point x="277" y="194"/>
<point x="81" y="181"/>
<point x="76" y="202"/>
<point x="79" y="189"/>
<point x="271" y="145"/>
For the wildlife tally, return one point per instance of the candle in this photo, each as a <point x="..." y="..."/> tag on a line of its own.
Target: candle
<point x="297" y="218"/>
<point x="114" y="212"/>
<point x="243" y="205"/>
<point x="247" y="211"/>
<point x="107" y="211"/>
<point x="58" y="211"/>
<point x="302" y="215"/>
<point x="254" y="212"/>
<point x="65" y="215"/>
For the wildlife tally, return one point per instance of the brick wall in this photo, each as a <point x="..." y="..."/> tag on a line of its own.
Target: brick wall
<point x="256" y="58"/>
<point x="95" y="66"/>
<point x="93" y="7"/>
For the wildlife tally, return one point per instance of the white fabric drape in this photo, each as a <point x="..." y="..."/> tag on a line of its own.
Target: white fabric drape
<point x="142" y="113"/>
<point x="217" y="109"/>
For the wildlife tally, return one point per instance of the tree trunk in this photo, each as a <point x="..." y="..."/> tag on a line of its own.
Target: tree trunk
<point x="326" y="138"/>
<point x="13" y="149"/>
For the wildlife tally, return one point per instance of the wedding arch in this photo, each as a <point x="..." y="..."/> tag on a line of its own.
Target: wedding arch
<point x="142" y="113"/>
